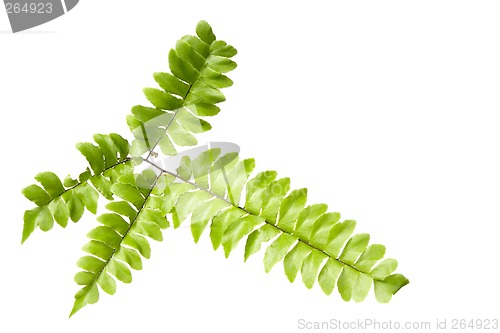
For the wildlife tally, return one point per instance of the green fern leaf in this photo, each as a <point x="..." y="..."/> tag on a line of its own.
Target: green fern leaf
<point x="306" y="239"/>
<point x="190" y="91"/>
<point x="208" y="189"/>
<point x="60" y="201"/>
<point x="116" y="246"/>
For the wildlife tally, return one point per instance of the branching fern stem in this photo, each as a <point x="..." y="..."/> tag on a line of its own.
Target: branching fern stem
<point x="187" y="181"/>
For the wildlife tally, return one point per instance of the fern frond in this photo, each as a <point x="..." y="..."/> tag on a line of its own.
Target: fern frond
<point x="191" y="90"/>
<point x="117" y="245"/>
<point x="61" y="201"/>
<point x="306" y="238"/>
<point x="214" y="191"/>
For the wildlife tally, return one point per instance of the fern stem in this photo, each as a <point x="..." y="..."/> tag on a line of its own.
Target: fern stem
<point x="143" y="205"/>
<point x="166" y="129"/>
<point x="130" y="226"/>
<point x="175" y="114"/>
<point x="80" y="183"/>
<point x="246" y="211"/>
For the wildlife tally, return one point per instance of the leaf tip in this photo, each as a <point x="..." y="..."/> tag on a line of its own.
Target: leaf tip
<point x="205" y="32"/>
<point x="76" y="307"/>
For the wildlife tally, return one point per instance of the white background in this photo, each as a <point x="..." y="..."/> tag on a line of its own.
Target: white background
<point x="385" y="110"/>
